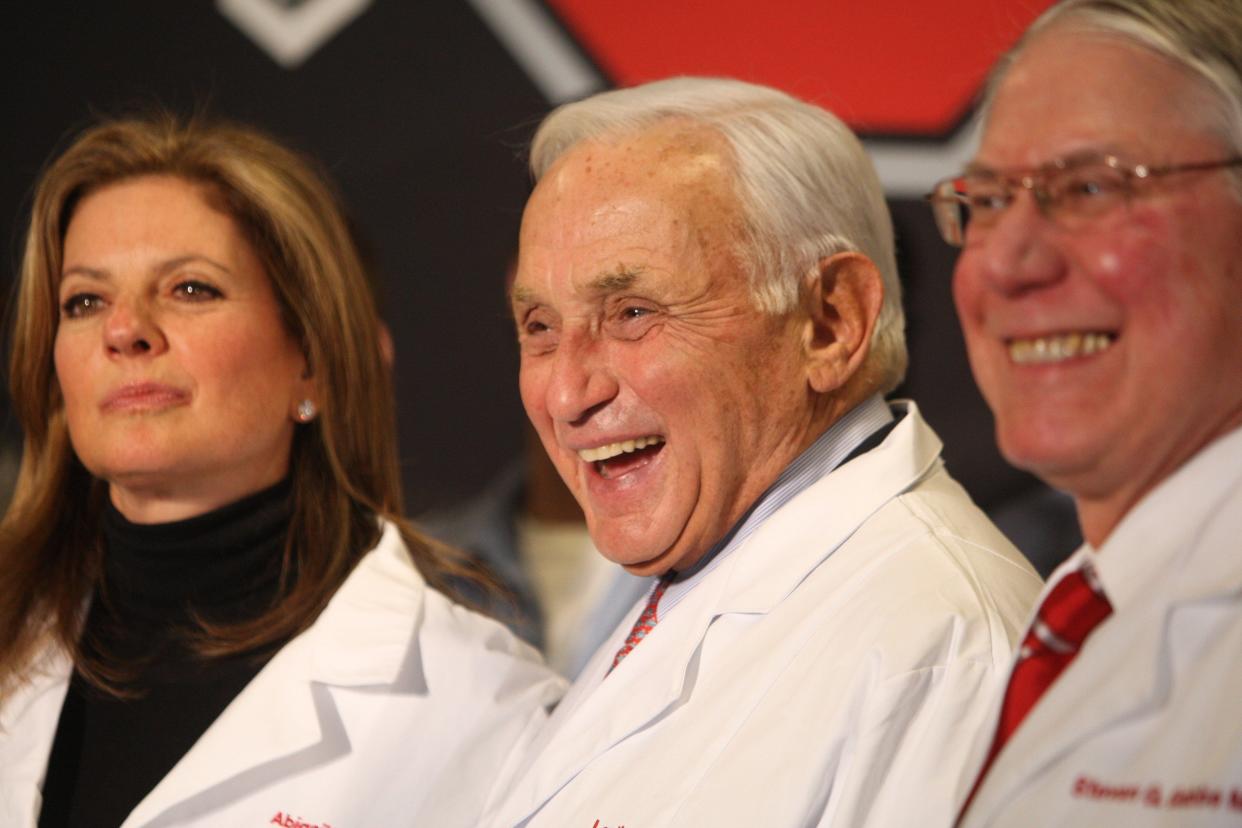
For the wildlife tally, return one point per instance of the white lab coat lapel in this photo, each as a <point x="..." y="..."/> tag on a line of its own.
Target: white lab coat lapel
<point x="807" y="535"/>
<point x="285" y="721"/>
<point x="649" y="680"/>
<point x="24" y="751"/>
<point x="1139" y="684"/>
<point x="601" y="712"/>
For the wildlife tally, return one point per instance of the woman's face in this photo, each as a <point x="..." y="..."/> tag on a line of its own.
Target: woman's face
<point x="180" y="380"/>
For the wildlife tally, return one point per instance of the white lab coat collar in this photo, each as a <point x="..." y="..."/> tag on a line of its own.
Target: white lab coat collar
<point x="1146" y="551"/>
<point x="364" y="635"/>
<point x="341" y="649"/>
<point x="24" y="750"/>
<point x="344" y="648"/>
<point x="1139" y="686"/>
<point x="862" y="487"/>
<point x="597" y="714"/>
<point x="47" y="676"/>
<point x="302" y="729"/>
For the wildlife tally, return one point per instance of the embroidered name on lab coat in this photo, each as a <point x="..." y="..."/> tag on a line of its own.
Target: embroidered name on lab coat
<point x="290" y="821"/>
<point x="1184" y="798"/>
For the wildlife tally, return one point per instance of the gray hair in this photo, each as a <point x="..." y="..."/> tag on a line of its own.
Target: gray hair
<point x="1203" y="37"/>
<point x="805" y="186"/>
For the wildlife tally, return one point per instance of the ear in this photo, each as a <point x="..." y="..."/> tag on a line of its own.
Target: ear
<point x="843" y="293"/>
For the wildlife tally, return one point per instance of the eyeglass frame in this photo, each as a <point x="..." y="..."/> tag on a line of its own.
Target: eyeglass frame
<point x="1034" y="179"/>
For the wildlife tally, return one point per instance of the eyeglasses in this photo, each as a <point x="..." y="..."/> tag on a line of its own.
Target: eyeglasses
<point x="1068" y="191"/>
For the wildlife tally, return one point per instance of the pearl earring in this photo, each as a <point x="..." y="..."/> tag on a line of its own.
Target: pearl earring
<point x="306" y="411"/>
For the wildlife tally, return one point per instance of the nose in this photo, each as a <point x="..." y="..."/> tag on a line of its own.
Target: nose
<point x="1019" y="251"/>
<point x="581" y="380"/>
<point x="131" y="329"/>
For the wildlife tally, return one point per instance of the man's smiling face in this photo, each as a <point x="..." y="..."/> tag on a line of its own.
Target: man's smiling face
<point x="1154" y="286"/>
<point x="668" y="402"/>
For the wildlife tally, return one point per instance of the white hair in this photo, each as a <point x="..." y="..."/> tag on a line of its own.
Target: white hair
<point x="1203" y="37"/>
<point x="805" y="186"/>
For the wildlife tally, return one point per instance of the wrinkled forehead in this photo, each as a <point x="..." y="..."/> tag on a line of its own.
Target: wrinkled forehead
<point x="1075" y="89"/>
<point x="676" y="161"/>
<point x="660" y="194"/>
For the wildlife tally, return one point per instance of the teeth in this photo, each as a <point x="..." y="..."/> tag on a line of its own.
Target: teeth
<point x="1056" y="348"/>
<point x="594" y="455"/>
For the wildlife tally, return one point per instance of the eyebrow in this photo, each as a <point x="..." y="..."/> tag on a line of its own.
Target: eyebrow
<point x="1076" y="157"/>
<point x="520" y="294"/>
<point x="82" y="270"/>
<point x="622" y="277"/>
<point x="162" y="268"/>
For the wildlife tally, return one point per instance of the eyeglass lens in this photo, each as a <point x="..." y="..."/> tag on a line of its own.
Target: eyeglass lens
<point x="1066" y="195"/>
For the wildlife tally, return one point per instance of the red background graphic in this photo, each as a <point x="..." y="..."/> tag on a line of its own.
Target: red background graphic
<point x="906" y="67"/>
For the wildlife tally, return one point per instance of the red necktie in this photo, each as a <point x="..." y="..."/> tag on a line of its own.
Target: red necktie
<point x="646" y="621"/>
<point x="1074" y="607"/>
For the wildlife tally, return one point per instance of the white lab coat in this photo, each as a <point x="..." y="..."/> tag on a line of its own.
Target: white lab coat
<point x="830" y="671"/>
<point x="396" y="707"/>
<point x="1144" y="728"/>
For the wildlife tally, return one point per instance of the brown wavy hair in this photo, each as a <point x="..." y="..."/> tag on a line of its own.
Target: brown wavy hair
<point x="343" y="464"/>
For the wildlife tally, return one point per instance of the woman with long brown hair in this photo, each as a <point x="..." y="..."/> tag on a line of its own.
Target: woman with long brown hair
<point x="211" y="610"/>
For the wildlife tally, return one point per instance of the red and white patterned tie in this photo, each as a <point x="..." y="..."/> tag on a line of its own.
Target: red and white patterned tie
<point x="646" y="620"/>
<point x="1070" y="612"/>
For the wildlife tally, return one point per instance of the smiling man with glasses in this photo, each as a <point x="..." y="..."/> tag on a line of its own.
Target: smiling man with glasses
<point x="1099" y="289"/>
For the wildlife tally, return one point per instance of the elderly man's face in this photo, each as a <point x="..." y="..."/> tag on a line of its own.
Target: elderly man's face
<point x="666" y="400"/>
<point x="1159" y="276"/>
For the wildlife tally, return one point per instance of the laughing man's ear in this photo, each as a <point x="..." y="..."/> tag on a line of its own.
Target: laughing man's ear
<point x="844" y="294"/>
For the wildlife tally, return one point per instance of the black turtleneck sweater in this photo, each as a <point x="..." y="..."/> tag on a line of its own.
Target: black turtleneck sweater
<point x="224" y="567"/>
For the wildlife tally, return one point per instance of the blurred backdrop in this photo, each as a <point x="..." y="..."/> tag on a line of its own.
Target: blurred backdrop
<point x="421" y="109"/>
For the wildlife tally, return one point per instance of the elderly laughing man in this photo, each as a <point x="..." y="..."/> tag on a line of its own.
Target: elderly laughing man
<point x="709" y="315"/>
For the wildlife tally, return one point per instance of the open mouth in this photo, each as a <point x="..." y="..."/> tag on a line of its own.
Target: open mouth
<point x="1059" y="347"/>
<point x="615" y="459"/>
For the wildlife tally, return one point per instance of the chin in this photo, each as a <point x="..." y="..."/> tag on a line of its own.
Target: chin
<point x="652" y="568"/>
<point x="125" y="469"/>
<point x="638" y="556"/>
<point x="626" y="556"/>
<point x="1043" y="453"/>
<point x="1020" y="451"/>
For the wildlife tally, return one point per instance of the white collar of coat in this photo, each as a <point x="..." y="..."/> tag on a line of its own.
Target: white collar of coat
<point x="49" y="673"/>
<point x="363" y="637"/>
<point x="841" y="502"/>
<point x="1158" y="547"/>
<point x="756" y="582"/>
<point x="756" y="577"/>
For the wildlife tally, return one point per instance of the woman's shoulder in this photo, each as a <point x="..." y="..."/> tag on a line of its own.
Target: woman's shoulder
<point x="388" y="584"/>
